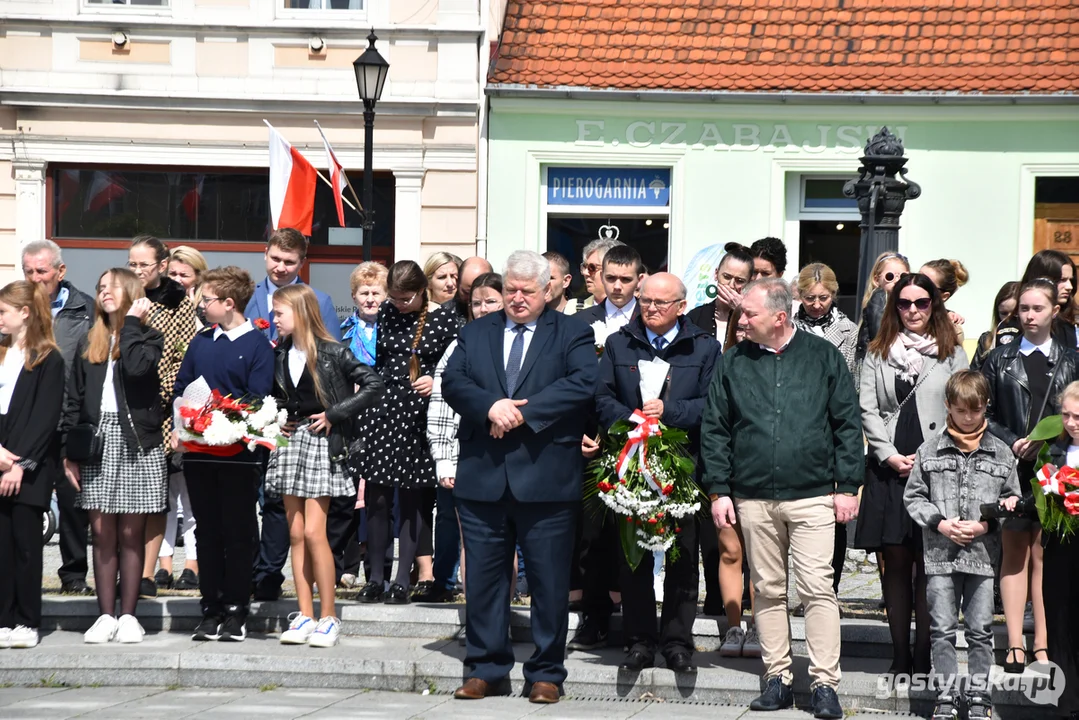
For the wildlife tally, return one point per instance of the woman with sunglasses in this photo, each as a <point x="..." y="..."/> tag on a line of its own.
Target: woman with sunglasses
<point x="1026" y="379"/>
<point x="1060" y="269"/>
<point x="886" y="270"/>
<point x="902" y="396"/>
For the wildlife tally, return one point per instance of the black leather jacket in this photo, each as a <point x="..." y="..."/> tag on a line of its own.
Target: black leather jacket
<point x="339" y="372"/>
<point x="1009" y="392"/>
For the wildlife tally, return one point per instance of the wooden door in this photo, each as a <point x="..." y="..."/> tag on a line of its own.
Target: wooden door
<point x="1056" y="227"/>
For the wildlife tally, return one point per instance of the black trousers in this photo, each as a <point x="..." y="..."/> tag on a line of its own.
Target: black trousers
<point x="342" y="522"/>
<point x="274" y="544"/>
<point x="675" y="631"/>
<point x="597" y="546"/>
<point x="1060" y="590"/>
<point x="20" y="564"/>
<point x="73" y="530"/>
<point x="223" y="497"/>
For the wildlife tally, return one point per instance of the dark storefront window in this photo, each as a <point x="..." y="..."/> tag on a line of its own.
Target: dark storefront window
<point x="222" y="206"/>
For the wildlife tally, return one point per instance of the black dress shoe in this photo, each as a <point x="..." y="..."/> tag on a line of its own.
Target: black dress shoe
<point x="76" y="587"/>
<point x="589" y="636"/>
<point x="428" y="592"/>
<point x="372" y="592"/>
<point x="636" y="661"/>
<point x="681" y="662"/>
<point x="776" y="696"/>
<point x="147" y="588"/>
<point x="826" y="703"/>
<point x="396" y="595"/>
<point x="163" y="579"/>
<point x="188" y="580"/>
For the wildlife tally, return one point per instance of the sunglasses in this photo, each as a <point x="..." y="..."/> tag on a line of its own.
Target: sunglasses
<point x="921" y="304"/>
<point x="589" y="268"/>
<point x="889" y="276"/>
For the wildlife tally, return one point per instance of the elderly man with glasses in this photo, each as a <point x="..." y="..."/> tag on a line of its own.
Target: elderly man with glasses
<point x="660" y="331"/>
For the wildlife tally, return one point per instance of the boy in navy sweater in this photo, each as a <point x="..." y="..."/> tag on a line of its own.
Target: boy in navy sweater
<point x="236" y="360"/>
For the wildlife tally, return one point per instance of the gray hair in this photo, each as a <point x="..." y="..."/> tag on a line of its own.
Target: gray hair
<point x="528" y="265"/>
<point x="778" y="296"/>
<point x="40" y="246"/>
<point x="602" y="245"/>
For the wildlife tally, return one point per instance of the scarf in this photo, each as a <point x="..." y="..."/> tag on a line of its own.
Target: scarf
<point x="816" y="326"/>
<point x="908" y="352"/>
<point x="362" y="347"/>
<point x="966" y="442"/>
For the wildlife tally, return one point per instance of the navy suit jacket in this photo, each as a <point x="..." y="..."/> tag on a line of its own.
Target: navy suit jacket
<point x="258" y="307"/>
<point x="541" y="460"/>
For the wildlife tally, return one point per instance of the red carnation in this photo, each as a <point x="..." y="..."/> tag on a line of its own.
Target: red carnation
<point x="652" y="521"/>
<point x="262" y="323"/>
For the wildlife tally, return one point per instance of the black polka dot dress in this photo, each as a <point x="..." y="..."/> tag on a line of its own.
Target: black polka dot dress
<point x="395" y="432"/>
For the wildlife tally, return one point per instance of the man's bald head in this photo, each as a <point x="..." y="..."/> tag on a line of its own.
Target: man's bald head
<point x="663" y="298"/>
<point x="471" y="269"/>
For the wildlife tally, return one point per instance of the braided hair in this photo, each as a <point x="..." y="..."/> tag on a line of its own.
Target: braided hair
<point x="407" y="277"/>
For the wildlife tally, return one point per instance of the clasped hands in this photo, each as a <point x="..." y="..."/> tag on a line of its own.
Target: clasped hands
<point x="11" y="479"/>
<point x="505" y="416"/>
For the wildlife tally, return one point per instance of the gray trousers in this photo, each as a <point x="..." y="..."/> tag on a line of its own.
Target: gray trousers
<point x="946" y="594"/>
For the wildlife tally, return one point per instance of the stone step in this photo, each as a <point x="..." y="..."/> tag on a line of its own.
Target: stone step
<point x="862" y="638"/>
<point x="172" y="659"/>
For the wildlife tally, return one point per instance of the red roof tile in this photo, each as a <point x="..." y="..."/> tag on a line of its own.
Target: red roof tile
<point x="847" y="46"/>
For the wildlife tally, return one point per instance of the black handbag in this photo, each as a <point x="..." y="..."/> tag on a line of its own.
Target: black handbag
<point x="84" y="443"/>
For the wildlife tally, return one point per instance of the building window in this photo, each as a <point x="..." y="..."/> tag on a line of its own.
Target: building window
<point x="150" y="3"/>
<point x="825" y="195"/>
<point x="323" y="4"/>
<point x="183" y="204"/>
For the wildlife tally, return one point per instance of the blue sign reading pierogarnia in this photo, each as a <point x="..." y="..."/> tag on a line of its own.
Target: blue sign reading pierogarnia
<point x="611" y="187"/>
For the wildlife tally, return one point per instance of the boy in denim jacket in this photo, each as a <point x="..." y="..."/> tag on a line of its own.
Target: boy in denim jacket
<point x="954" y="473"/>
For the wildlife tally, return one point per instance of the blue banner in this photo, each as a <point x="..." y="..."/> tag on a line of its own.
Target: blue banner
<point x="621" y="187"/>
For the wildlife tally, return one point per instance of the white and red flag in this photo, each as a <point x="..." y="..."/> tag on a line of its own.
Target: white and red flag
<point x="292" y="185"/>
<point x="337" y="176"/>
<point x="104" y="189"/>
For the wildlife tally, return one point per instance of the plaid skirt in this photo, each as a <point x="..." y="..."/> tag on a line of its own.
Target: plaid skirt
<point x="124" y="480"/>
<point x="303" y="469"/>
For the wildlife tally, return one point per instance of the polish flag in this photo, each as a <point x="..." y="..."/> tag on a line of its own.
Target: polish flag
<point x="190" y="200"/>
<point x="337" y="176"/>
<point x="104" y="188"/>
<point x="292" y="185"/>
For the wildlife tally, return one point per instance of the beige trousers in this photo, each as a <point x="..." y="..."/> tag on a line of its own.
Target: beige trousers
<point x="805" y="531"/>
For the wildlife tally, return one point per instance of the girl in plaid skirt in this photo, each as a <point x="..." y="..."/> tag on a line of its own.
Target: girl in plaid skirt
<point x="114" y="387"/>
<point x="315" y="380"/>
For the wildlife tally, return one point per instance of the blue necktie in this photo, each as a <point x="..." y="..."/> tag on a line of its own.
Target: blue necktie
<point x="660" y="342"/>
<point x="513" y="365"/>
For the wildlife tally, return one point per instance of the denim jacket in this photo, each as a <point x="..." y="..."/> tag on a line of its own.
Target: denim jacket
<point x="946" y="483"/>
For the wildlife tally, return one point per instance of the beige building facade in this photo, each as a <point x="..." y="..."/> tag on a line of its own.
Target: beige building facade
<point x="119" y="118"/>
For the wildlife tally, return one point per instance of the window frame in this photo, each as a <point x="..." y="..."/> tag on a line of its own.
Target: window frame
<point x="828" y="211"/>
<point x="87" y="7"/>
<point x="285" y="13"/>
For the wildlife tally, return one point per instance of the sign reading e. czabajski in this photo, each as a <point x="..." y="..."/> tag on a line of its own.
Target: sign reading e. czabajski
<point x="622" y="187"/>
<point x="733" y="136"/>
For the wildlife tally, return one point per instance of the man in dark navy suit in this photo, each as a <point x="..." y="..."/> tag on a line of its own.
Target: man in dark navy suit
<point x="522" y="381"/>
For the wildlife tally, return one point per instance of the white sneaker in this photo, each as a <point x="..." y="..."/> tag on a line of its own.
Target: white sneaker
<point x="24" y="637"/>
<point x="300" y="628"/>
<point x="751" y="648"/>
<point x="128" y="630"/>
<point x="732" y="642"/>
<point x="102" y="631"/>
<point x="326" y="634"/>
<point x="5" y="637"/>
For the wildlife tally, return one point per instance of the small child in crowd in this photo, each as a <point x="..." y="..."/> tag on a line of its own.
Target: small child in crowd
<point x="237" y="361"/>
<point x="954" y="473"/>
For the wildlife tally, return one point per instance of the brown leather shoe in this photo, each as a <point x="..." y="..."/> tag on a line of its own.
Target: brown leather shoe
<point x="473" y="689"/>
<point x="543" y="692"/>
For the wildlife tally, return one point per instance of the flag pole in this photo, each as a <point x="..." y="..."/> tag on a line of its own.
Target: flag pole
<point x="323" y="177"/>
<point x="343" y="174"/>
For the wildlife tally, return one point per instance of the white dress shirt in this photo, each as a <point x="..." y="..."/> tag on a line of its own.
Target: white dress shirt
<point x="508" y="336"/>
<point x="297" y="361"/>
<point x="235" y="332"/>
<point x="619" y="316"/>
<point x="1027" y="347"/>
<point x="9" y="375"/>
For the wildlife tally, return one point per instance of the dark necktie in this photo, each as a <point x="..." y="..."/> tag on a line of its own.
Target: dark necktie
<point x="660" y="342"/>
<point x="513" y="365"/>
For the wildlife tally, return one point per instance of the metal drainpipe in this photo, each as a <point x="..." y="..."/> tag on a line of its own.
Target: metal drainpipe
<point x="481" y="134"/>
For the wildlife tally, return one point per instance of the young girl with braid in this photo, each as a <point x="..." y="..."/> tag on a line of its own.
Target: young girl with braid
<point x="411" y="339"/>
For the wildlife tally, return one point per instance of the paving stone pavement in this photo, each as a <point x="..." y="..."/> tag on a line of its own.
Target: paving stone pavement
<point x="209" y="704"/>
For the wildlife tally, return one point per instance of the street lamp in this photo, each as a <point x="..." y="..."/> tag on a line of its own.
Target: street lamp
<point x="371" y="71"/>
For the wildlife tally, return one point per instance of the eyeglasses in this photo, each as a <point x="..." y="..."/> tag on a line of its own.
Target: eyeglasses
<point x="921" y="304"/>
<point x="811" y="299"/>
<point x="399" y="301"/>
<point x="206" y="300"/>
<point x="729" y="279"/>
<point x="140" y="266"/>
<point x="489" y="302"/>
<point x="589" y="268"/>
<point x="659" y="304"/>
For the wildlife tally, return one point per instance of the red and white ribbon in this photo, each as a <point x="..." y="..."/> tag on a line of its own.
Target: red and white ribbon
<point x="1055" y="481"/>
<point x="636" y="442"/>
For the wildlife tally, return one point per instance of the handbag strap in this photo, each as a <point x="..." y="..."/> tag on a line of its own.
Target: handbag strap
<point x="922" y="379"/>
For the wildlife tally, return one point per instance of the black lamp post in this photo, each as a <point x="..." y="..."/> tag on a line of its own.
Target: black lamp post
<point x="881" y="198"/>
<point x="371" y="71"/>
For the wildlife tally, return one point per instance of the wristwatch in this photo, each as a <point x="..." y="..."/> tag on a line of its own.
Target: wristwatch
<point x="713" y="497"/>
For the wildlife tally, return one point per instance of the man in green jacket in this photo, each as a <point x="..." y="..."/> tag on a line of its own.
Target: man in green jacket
<point x="781" y="445"/>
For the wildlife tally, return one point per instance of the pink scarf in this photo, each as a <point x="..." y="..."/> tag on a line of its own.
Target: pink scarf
<point x="908" y="352"/>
